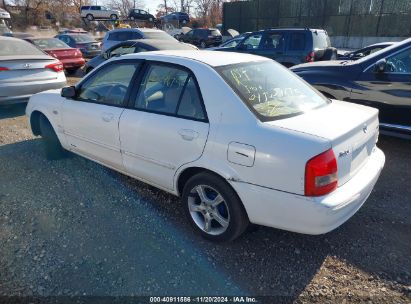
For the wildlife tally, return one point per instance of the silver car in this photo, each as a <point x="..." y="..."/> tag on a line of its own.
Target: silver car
<point x="26" y="70"/>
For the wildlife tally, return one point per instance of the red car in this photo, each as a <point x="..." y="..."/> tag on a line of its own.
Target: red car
<point x="71" y="58"/>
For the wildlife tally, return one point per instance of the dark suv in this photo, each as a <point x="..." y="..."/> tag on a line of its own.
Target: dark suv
<point x="202" y="37"/>
<point x="142" y="15"/>
<point x="181" y="17"/>
<point x="289" y="46"/>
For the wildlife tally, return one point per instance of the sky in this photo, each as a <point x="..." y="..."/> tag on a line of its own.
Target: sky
<point x="151" y="5"/>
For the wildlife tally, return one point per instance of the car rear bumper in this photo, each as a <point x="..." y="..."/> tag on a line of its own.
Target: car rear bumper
<point x="19" y="92"/>
<point x="311" y="215"/>
<point x="73" y="62"/>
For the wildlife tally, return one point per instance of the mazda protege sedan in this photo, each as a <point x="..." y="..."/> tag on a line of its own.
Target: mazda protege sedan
<point x="238" y="137"/>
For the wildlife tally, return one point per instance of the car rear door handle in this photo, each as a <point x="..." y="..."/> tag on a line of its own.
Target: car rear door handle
<point x="107" y="117"/>
<point x="187" y="134"/>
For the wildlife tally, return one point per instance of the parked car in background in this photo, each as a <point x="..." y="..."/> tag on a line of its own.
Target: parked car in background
<point x="180" y="17"/>
<point x="233" y="42"/>
<point x="77" y="30"/>
<point x="354" y="55"/>
<point x="119" y="35"/>
<point x="381" y="80"/>
<point x="88" y="46"/>
<point x="289" y="46"/>
<point x="202" y="37"/>
<point x="136" y="46"/>
<point x="98" y="12"/>
<point x="231" y="148"/>
<point x="141" y="15"/>
<point x="71" y="58"/>
<point x="20" y="35"/>
<point x="26" y="70"/>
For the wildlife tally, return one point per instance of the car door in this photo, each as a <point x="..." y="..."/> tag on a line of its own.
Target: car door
<point x="188" y="37"/>
<point x="90" y="120"/>
<point x="388" y="90"/>
<point x="166" y="125"/>
<point x="272" y="45"/>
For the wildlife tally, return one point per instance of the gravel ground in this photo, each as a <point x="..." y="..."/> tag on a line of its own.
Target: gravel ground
<point x="73" y="227"/>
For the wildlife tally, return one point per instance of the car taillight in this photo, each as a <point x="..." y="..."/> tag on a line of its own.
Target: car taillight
<point x="3" y="69"/>
<point x="321" y="174"/>
<point x="310" y="57"/>
<point x="56" y="66"/>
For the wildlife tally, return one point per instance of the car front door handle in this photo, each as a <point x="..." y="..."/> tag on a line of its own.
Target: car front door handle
<point x="187" y="134"/>
<point x="107" y="117"/>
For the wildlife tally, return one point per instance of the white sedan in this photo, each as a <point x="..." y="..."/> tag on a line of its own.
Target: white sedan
<point x="238" y="137"/>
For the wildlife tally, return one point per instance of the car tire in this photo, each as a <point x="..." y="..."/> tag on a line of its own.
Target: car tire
<point x="150" y="19"/>
<point x="132" y="18"/>
<point x="113" y="17"/>
<point x="203" y="45"/>
<point x="228" y="208"/>
<point x="90" y="17"/>
<point x="52" y="145"/>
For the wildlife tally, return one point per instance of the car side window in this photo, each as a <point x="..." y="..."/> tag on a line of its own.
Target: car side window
<point x="272" y="41"/>
<point x="297" y="42"/>
<point x="252" y="42"/>
<point x="190" y="33"/>
<point x="161" y="89"/>
<point x="190" y="105"/>
<point x="109" y="85"/>
<point x="400" y="63"/>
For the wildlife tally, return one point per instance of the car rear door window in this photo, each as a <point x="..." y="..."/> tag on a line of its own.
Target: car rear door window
<point x="161" y="89"/>
<point x="190" y="105"/>
<point x="109" y="85"/>
<point x="296" y="42"/>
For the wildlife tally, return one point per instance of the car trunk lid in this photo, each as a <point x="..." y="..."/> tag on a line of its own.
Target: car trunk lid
<point x="64" y="53"/>
<point x="26" y="69"/>
<point x="351" y="129"/>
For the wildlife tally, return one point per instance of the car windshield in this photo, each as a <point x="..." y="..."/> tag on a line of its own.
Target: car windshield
<point x="50" y="43"/>
<point x="19" y="48"/>
<point x="158" y="36"/>
<point x="83" y="38"/>
<point x="271" y="91"/>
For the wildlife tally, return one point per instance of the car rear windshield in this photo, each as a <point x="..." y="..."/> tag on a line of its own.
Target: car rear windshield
<point x="321" y="40"/>
<point x="19" y="48"/>
<point x="50" y="43"/>
<point x="83" y="38"/>
<point x="270" y="90"/>
<point x="158" y="36"/>
<point x="214" y="33"/>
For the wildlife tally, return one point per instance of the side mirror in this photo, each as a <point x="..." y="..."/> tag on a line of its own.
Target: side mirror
<point x="105" y="55"/>
<point x="68" y="92"/>
<point x="380" y="66"/>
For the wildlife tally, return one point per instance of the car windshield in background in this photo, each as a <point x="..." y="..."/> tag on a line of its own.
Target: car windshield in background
<point x="83" y="38"/>
<point x="158" y="36"/>
<point x="50" y="43"/>
<point x="19" y="48"/>
<point x="272" y="92"/>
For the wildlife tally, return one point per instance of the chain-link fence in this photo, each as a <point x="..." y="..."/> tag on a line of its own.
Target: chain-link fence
<point x="349" y="18"/>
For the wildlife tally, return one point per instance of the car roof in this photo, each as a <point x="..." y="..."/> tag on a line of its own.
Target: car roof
<point x="398" y="45"/>
<point x="140" y="30"/>
<point x="382" y="44"/>
<point x="162" y="44"/>
<point x="211" y="58"/>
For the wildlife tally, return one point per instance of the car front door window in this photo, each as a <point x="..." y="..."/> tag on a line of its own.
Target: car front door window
<point x="252" y="42"/>
<point x="272" y="42"/>
<point x="109" y="85"/>
<point x="400" y="63"/>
